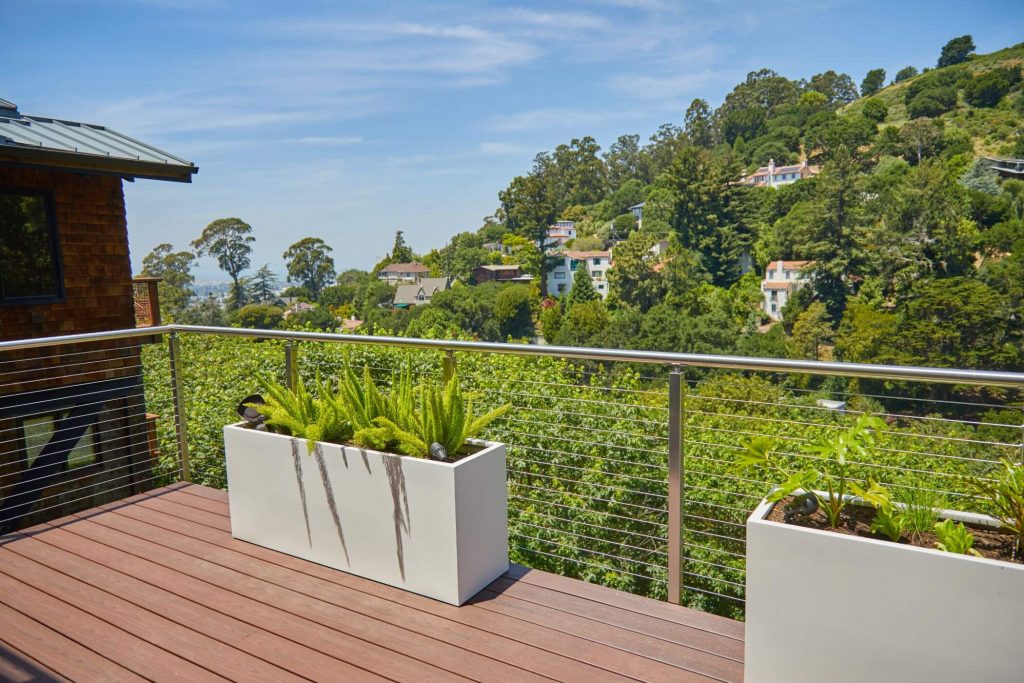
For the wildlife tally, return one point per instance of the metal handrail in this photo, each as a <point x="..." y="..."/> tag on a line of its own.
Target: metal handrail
<point x="996" y="378"/>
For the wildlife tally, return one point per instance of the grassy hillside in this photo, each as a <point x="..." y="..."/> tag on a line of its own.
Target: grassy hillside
<point x="993" y="130"/>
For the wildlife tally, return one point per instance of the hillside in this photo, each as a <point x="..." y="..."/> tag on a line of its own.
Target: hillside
<point x="993" y="129"/>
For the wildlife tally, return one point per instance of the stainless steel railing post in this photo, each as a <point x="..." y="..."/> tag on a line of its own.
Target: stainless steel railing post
<point x="675" y="486"/>
<point x="448" y="365"/>
<point x="291" y="365"/>
<point x="178" y="391"/>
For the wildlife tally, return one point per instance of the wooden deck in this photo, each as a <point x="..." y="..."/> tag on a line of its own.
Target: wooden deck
<point x="155" y="588"/>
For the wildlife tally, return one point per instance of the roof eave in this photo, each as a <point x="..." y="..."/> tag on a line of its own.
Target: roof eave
<point x="89" y="163"/>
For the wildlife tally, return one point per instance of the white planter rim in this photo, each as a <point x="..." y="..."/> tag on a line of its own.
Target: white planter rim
<point x="760" y="516"/>
<point x="485" y="446"/>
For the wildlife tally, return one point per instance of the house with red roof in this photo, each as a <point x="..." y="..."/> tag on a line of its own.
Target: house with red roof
<point x="776" y="176"/>
<point x="782" y="279"/>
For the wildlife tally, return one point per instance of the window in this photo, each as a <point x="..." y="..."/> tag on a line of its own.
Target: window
<point x="561" y="289"/>
<point x="597" y="262"/>
<point x="29" y="260"/>
<point x="595" y="273"/>
<point x="38" y="431"/>
<point x="559" y="274"/>
<point x="600" y="286"/>
<point x="775" y="308"/>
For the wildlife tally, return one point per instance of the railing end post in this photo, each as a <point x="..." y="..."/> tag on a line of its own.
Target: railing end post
<point x="675" y="484"/>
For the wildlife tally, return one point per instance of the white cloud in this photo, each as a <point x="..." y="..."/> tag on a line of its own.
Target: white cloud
<point x="503" y="149"/>
<point x="667" y="87"/>
<point x="328" y="140"/>
<point x="545" y="119"/>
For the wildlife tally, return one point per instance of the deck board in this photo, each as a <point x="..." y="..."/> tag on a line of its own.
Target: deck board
<point x="155" y="587"/>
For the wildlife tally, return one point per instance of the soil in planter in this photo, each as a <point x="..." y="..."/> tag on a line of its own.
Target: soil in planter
<point x="464" y="452"/>
<point x="995" y="544"/>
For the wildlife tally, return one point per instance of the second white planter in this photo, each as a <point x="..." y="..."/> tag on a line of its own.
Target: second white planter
<point x="824" y="606"/>
<point x="437" y="529"/>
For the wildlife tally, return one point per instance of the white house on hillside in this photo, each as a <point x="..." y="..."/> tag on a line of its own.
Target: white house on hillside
<point x="560" y="233"/>
<point x="597" y="263"/>
<point x="403" y="272"/>
<point x="775" y="176"/>
<point x="782" y="279"/>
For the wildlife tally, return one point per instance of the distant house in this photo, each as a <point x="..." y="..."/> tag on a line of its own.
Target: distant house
<point x="782" y="279"/>
<point x="297" y="307"/>
<point x="74" y="430"/>
<point x="660" y="248"/>
<point x="403" y="272"/>
<point x="1006" y="167"/>
<point x="420" y="293"/>
<point x="638" y="212"/>
<point x="500" y="273"/>
<point x="560" y="233"/>
<point x="567" y="263"/>
<point x="776" y="176"/>
<point x="350" y="324"/>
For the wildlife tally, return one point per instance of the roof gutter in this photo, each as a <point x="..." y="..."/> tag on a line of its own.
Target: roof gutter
<point x="91" y="163"/>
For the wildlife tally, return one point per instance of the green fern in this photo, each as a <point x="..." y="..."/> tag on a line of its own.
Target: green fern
<point x="313" y="417"/>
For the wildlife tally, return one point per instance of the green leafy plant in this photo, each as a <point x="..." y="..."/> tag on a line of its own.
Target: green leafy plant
<point x="835" y="454"/>
<point x="1005" y="490"/>
<point x="889" y="519"/>
<point x="955" y="538"/>
<point x="409" y="419"/>
<point x="920" y="509"/>
<point x="405" y="420"/>
<point x="299" y="413"/>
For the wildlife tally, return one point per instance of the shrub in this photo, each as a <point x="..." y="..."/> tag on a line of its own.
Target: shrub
<point x="988" y="89"/>
<point x="875" y="110"/>
<point x="932" y="102"/>
<point x="904" y="73"/>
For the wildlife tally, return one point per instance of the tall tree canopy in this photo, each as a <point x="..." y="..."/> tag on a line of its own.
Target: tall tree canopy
<point x="956" y="51"/>
<point x="309" y="262"/>
<point x="175" y="267"/>
<point x="872" y="83"/>
<point x="228" y="240"/>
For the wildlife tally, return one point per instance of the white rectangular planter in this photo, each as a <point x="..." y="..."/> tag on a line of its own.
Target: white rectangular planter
<point x="434" y="528"/>
<point x="823" y="606"/>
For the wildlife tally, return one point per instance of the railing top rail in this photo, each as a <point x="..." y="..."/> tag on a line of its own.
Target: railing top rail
<point x="865" y="370"/>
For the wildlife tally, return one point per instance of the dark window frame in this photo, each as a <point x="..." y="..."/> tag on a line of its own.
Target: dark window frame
<point x="58" y="266"/>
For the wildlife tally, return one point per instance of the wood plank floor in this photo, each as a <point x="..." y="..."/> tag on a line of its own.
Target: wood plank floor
<point x="154" y="588"/>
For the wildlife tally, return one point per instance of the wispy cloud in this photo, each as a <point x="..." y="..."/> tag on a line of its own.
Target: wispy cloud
<point x="504" y="149"/>
<point x="328" y="140"/>
<point x="558" y="118"/>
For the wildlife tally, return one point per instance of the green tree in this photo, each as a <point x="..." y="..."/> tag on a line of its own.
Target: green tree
<point x="633" y="280"/>
<point x="262" y="286"/>
<point x="259" y="316"/>
<point x="583" y="324"/>
<point x="309" y="262"/>
<point x="582" y="287"/>
<point x="702" y="219"/>
<point x="550" y="319"/>
<point x="400" y="251"/>
<point x="700" y="124"/>
<point x="956" y="51"/>
<point x="922" y="138"/>
<point x="955" y="322"/>
<point x="512" y="312"/>
<point x="812" y="328"/>
<point x="872" y="83"/>
<point x="989" y="88"/>
<point x="175" y="289"/>
<point x="875" y="110"/>
<point x="981" y="177"/>
<point x="529" y="208"/>
<point x="839" y="89"/>
<point x="624" y="160"/>
<point x="904" y="73"/>
<point x="228" y="240"/>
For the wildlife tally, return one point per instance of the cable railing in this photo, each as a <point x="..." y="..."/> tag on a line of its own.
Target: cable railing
<point x="620" y="463"/>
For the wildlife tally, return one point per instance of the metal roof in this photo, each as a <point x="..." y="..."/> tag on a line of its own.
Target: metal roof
<point x="71" y="145"/>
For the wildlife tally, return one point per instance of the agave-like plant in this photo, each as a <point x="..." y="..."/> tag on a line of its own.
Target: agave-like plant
<point x="409" y="419"/>
<point x="318" y="416"/>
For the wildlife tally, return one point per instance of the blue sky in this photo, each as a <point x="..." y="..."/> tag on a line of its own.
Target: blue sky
<point x="348" y="121"/>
